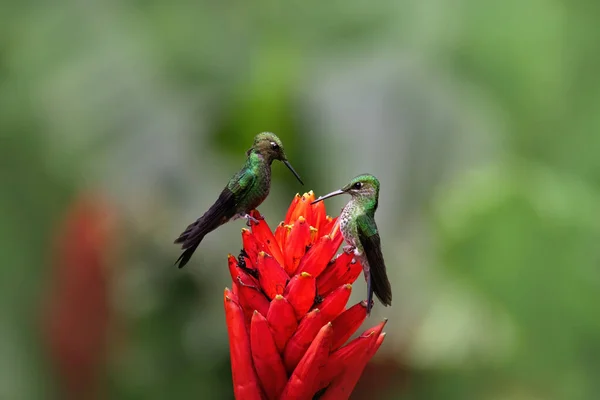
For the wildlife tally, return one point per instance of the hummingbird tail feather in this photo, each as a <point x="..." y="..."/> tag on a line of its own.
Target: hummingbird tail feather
<point x="218" y="214"/>
<point x="379" y="282"/>
<point x="186" y="255"/>
<point x="381" y="286"/>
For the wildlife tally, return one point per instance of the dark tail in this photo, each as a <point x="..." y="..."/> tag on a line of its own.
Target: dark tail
<point x="217" y="215"/>
<point x="380" y="285"/>
<point x="191" y="238"/>
<point x="186" y="255"/>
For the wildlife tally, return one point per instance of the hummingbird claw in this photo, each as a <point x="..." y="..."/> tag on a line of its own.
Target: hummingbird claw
<point x="349" y="249"/>
<point x="250" y="219"/>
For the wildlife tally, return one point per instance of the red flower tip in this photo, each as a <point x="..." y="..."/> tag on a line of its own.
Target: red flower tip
<point x="281" y="235"/>
<point x="251" y="246"/>
<point x="291" y="359"/>
<point x="232" y="263"/>
<point x="318" y="217"/>
<point x="302" y="208"/>
<point x="305" y="334"/>
<point x="301" y="292"/>
<point x="302" y="384"/>
<point x="282" y="319"/>
<point x="313" y="234"/>
<point x="347" y="323"/>
<point x="352" y="359"/>
<point x="292" y="208"/>
<point x="335" y="302"/>
<point x="229" y="295"/>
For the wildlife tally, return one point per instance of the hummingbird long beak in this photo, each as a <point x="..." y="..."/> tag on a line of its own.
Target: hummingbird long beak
<point x="287" y="164"/>
<point x="332" y="194"/>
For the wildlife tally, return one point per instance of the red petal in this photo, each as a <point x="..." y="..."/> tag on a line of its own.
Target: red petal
<point x="232" y="295"/>
<point x="232" y="263"/>
<point x="335" y="303"/>
<point x="319" y="255"/>
<point x="345" y="269"/>
<point x="378" y="344"/>
<point x="303" y="381"/>
<point x="302" y="209"/>
<point x="281" y="234"/>
<point x="347" y="355"/>
<point x="300" y="292"/>
<point x="295" y="245"/>
<point x="267" y="361"/>
<point x="282" y="320"/>
<point x="251" y="245"/>
<point x="313" y="235"/>
<point x="377" y="328"/>
<point x="318" y="217"/>
<point x="347" y="323"/>
<point x="264" y="236"/>
<point x="292" y="208"/>
<point x="305" y="334"/>
<point x="329" y="224"/>
<point x="245" y="381"/>
<point x="341" y="387"/>
<point x="271" y="276"/>
<point x="251" y="298"/>
<point x="238" y="274"/>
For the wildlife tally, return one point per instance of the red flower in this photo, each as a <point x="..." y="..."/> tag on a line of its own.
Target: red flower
<point x="77" y="312"/>
<point x="286" y="313"/>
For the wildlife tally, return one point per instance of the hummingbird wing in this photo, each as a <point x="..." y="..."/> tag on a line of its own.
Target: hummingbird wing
<point x="219" y="213"/>
<point x="371" y="243"/>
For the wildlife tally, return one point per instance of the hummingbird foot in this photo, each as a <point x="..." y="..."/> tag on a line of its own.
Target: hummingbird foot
<point x="370" y="302"/>
<point x="349" y="249"/>
<point x="250" y="219"/>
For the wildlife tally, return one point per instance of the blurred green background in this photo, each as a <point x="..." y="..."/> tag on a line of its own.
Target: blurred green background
<point x="481" y="120"/>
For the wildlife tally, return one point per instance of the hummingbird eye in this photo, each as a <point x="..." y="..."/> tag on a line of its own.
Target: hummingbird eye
<point x="274" y="146"/>
<point x="357" y="185"/>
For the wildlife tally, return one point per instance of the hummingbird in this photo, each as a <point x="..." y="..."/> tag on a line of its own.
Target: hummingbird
<point x="358" y="227"/>
<point x="245" y="191"/>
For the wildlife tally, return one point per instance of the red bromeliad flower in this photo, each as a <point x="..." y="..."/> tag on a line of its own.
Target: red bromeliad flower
<point x="77" y="314"/>
<point x="286" y="314"/>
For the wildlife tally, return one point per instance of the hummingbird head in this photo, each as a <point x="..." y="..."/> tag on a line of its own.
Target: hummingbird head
<point x="364" y="187"/>
<point x="269" y="146"/>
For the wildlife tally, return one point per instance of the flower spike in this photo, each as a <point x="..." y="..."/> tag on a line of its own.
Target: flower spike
<point x="286" y="313"/>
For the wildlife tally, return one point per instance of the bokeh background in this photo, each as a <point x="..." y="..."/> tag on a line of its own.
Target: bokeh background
<point x="120" y="122"/>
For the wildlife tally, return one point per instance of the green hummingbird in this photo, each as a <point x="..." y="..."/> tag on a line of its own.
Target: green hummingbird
<point x="358" y="227"/>
<point x="245" y="191"/>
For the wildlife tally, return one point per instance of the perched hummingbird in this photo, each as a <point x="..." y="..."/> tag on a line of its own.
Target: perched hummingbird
<point x="357" y="224"/>
<point x="244" y="192"/>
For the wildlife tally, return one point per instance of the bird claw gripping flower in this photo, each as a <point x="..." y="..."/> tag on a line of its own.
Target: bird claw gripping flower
<point x="286" y="311"/>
